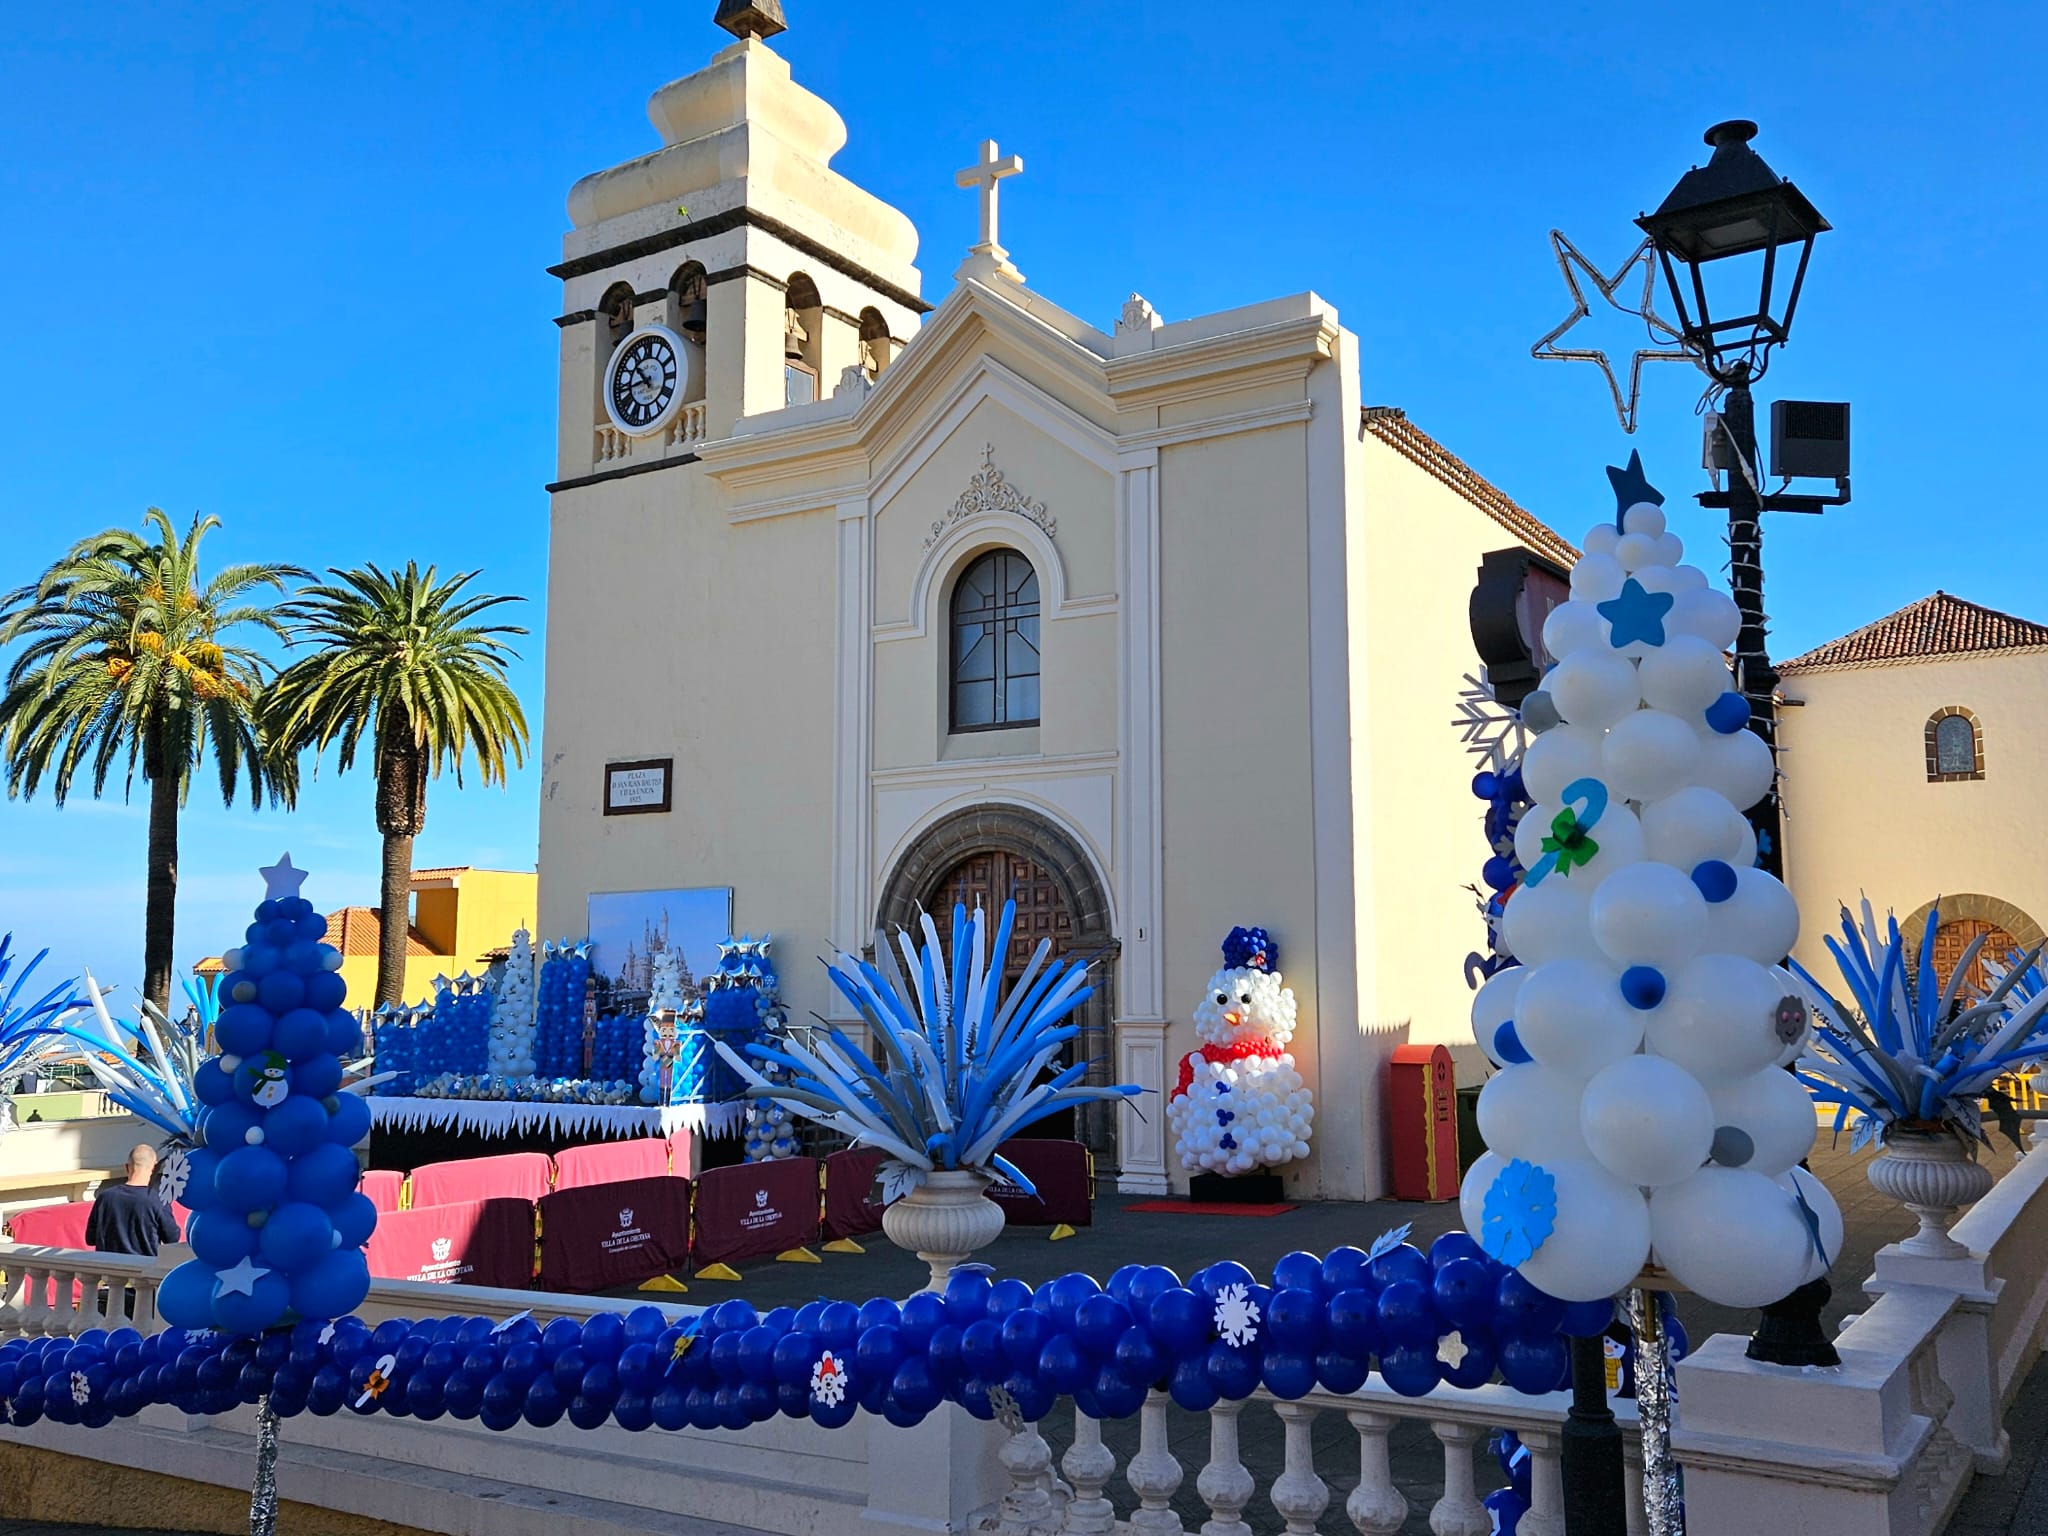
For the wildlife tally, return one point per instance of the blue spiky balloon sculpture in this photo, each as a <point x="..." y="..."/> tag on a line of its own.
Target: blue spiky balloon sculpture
<point x="278" y="1224"/>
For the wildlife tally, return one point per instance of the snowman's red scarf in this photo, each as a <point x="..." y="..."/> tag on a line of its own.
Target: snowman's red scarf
<point x="1244" y="1050"/>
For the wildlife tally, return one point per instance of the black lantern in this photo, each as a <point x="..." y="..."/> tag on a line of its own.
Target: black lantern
<point x="1734" y="205"/>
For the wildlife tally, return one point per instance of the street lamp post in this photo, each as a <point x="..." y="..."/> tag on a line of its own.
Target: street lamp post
<point x="1736" y="207"/>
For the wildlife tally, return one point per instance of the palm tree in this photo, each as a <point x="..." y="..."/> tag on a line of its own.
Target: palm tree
<point x="402" y="665"/>
<point x="126" y="662"/>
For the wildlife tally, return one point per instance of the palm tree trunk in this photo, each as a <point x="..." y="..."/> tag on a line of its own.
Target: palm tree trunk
<point x="401" y="812"/>
<point x="160" y="914"/>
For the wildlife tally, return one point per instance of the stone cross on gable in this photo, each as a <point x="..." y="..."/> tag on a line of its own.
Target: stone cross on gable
<point x="988" y="258"/>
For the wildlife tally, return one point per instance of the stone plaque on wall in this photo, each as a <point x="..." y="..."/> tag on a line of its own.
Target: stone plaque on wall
<point x="639" y="788"/>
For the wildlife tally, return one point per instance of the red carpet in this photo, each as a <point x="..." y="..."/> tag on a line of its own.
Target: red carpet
<point x="1207" y="1208"/>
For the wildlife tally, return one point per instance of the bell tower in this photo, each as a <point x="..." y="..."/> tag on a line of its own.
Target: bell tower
<point x="728" y="273"/>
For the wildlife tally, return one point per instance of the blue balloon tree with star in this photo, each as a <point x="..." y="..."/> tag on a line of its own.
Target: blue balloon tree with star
<point x="278" y="1224"/>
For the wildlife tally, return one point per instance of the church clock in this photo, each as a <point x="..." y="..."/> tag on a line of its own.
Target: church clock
<point x="646" y="380"/>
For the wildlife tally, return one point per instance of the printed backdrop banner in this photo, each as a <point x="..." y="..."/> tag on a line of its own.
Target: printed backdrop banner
<point x="598" y="1236"/>
<point x="471" y="1242"/>
<point x="520" y="1175"/>
<point x="754" y="1210"/>
<point x="851" y="1203"/>
<point x="1060" y="1170"/>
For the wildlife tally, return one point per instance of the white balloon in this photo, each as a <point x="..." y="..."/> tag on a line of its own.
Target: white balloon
<point x="1745" y="856"/>
<point x="1593" y="688"/>
<point x="1473" y="1186"/>
<point x="1736" y="767"/>
<point x="1656" y="578"/>
<point x="1683" y="675"/>
<point x="1760" y="921"/>
<point x="1800" y="1181"/>
<point x="1636" y="550"/>
<point x="1709" y="614"/>
<point x="1648" y="755"/>
<point x="1601" y="1235"/>
<point x="1692" y="826"/>
<point x="1532" y="1111"/>
<point x="1645" y="1120"/>
<point x="1718" y="1019"/>
<point x="1573" y="627"/>
<point x="1570" y="1016"/>
<point x="1670" y="549"/>
<point x="1556" y="758"/>
<point x="1731" y="1235"/>
<point x="1596" y="578"/>
<point x="1687" y="578"/>
<point x="1493" y="1005"/>
<point x="1774" y="1116"/>
<point x="1600" y="539"/>
<point x="1547" y="922"/>
<point x="1617" y="842"/>
<point x="1644" y="517"/>
<point x="1648" y="914"/>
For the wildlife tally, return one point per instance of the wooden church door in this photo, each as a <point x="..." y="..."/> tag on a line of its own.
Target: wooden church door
<point x="1952" y="938"/>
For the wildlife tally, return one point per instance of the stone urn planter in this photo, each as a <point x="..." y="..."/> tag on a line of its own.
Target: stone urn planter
<point x="1934" y="1174"/>
<point x="944" y="1221"/>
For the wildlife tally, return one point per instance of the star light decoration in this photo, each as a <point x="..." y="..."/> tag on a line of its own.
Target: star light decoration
<point x="1663" y="337"/>
<point x="1452" y="1349"/>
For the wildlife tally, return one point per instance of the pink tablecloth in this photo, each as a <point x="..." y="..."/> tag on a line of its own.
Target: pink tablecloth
<point x="52" y="1226"/>
<point x="608" y="1162"/>
<point x="513" y="1175"/>
<point x="383" y="1186"/>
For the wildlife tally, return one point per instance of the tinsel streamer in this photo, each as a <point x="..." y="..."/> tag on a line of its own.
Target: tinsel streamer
<point x="1663" y="1493"/>
<point x="263" y="1497"/>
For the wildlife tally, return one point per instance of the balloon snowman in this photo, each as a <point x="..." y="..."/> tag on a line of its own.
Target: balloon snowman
<point x="1240" y="1104"/>
<point x="278" y="1224"/>
<point x="1642" y="1113"/>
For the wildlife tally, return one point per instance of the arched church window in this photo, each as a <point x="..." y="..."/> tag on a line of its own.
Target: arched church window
<point x="614" y="321"/>
<point x="1955" y="745"/>
<point x="803" y="326"/>
<point x="995" y="643"/>
<point x="688" y="309"/>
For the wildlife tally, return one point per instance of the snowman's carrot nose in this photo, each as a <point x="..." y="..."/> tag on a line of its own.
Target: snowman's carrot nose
<point x="1233" y="1018"/>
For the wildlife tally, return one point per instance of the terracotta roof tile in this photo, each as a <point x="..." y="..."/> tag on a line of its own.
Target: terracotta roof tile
<point x="1391" y="426"/>
<point x="1936" y="626"/>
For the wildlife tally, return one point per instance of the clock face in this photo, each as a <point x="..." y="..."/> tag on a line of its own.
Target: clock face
<point x="644" y="383"/>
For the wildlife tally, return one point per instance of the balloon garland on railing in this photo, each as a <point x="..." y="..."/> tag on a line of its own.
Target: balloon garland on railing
<point x="1450" y="1315"/>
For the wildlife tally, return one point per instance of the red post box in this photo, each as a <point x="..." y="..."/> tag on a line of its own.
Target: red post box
<point x="1422" y="1117"/>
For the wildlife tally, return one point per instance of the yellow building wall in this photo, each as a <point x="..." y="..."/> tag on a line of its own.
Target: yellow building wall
<point x="1862" y="819"/>
<point x="460" y="918"/>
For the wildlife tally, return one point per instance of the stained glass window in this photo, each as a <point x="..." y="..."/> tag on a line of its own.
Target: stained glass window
<point x="995" y="643"/>
<point x="1955" y="745"/>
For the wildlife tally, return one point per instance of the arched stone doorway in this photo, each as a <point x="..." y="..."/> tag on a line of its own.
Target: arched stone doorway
<point x="2007" y="929"/>
<point x="993" y="853"/>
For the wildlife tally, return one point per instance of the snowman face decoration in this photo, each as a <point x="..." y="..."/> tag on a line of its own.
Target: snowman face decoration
<point x="267" y="1079"/>
<point x="1242" y="1004"/>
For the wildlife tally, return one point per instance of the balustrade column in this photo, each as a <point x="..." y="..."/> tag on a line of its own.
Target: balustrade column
<point x="1298" y="1493"/>
<point x="1027" y="1509"/>
<point x="1545" y="1515"/>
<point x="11" y="1300"/>
<point x="1225" y="1484"/>
<point x="36" y="1314"/>
<point x="1376" y="1507"/>
<point x="1154" y="1474"/>
<point x="1089" y="1465"/>
<point x="1459" y="1512"/>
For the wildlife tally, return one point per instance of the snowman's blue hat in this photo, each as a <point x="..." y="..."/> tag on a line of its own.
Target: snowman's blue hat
<point x="1250" y="948"/>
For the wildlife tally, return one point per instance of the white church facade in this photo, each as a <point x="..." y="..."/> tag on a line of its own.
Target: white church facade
<point x="1155" y="626"/>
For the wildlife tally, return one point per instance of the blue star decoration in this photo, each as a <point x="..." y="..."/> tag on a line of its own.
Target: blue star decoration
<point x="281" y="882"/>
<point x="1631" y="485"/>
<point x="1638" y="614"/>
<point x="1519" y="1214"/>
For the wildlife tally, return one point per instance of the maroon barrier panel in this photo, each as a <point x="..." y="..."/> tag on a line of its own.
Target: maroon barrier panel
<point x="608" y="1162"/>
<point x="383" y="1186"/>
<point x="519" y="1175"/>
<point x="52" y="1226"/>
<point x="754" y="1210"/>
<point x="599" y="1236"/>
<point x="471" y="1242"/>
<point x="852" y="1206"/>
<point x="1060" y="1170"/>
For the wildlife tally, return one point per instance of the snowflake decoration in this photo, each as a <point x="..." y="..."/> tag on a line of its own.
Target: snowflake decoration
<point x="1007" y="1413"/>
<point x="828" y="1380"/>
<point x="1488" y="727"/>
<point x="175" y="1174"/>
<point x="1519" y="1214"/>
<point x="1389" y="1240"/>
<point x="1237" y="1316"/>
<point x="81" y="1389"/>
<point x="1452" y="1349"/>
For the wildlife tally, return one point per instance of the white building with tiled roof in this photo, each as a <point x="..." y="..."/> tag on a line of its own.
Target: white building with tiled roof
<point x="1915" y="756"/>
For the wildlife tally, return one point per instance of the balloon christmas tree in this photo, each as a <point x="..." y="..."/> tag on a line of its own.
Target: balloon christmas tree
<point x="511" y="1051"/>
<point x="1642" y="1112"/>
<point x="278" y="1225"/>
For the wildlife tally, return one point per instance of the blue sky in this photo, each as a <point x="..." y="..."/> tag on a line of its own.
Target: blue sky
<point x="284" y="264"/>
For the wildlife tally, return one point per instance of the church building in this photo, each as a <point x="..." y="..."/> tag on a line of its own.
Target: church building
<point x="867" y="596"/>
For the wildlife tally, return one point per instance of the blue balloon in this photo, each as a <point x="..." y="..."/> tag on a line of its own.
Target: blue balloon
<point x="1288" y="1374"/>
<point x="966" y="1297"/>
<point x="564" y="1333"/>
<point x="1298" y="1271"/>
<point x="1190" y="1386"/>
<point x="1152" y="1282"/>
<point x="944" y="1357"/>
<point x="258" y="1309"/>
<point x="300" y="1034"/>
<point x="1138" y="1357"/>
<point x="1226" y="1273"/>
<point x="645" y="1324"/>
<point x="913" y="1388"/>
<point x="1024" y="1334"/>
<point x="211" y="1085"/>
<point x="669" y="1405"/>
<point x="1407" y="1316"/>
<point x="604" y="1335"/>
<point x="1117" y="1397"/>
<point x="1533" y="1365"/>
<point x="1234" y="1373"/>
<point x="423" y="1396"/>
<point x="1476" y="1363"/>
<point x="185" y="1295"/>
<point x="1179" y="1319"/>
<point x="1353" y="1322"/>
<point x="1409" y="1369"/>
<point x="1339" y="1371"/>
<point x="220" y="1238"/>
<point x="242" y="1029"/>
<point x="1294" y="1320"/>
<point x="1464" y="1292"/>
<point x="1068" y="1292"/>
<point x="280" y="992"/>
<point x="463" y="1396"/>
<point x="923" y="1315"/>
<point x="1120" y="1280"/>
<point x="349" y="1122"/>
<point x="1005" y="1297"/>
<point x="332" y="1287"/>
<point x="1524" y="1311"/>
<point x="249" y="1178"/>
<point x="297" y="1125"/>
<point x="588" y="1412"/>
<point x="544" y="1403"/>
<point x="1507" y="1045"/>
<point x="1455" y="1245"/>
<point x="522" y="1365"/>
<point x="1343" y="1270"/>
<point x="224" y="1129"/>
<point x="981" y="1348"/>
<point x="317" y="1077"/>
<point x="324" y="1176"/>
<point x="354" y="1219"/>
<point x="1098" y="1323"/>
<point x="325" y="991"/>
<point x="724" y="1356"/>
<point x="1586" y="1319"/>
<point x="1062" y="1364"/>
<point x="874" y="1359"/>
<point x="1402" y="1262"/>
<point x="296" y="1237"/>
